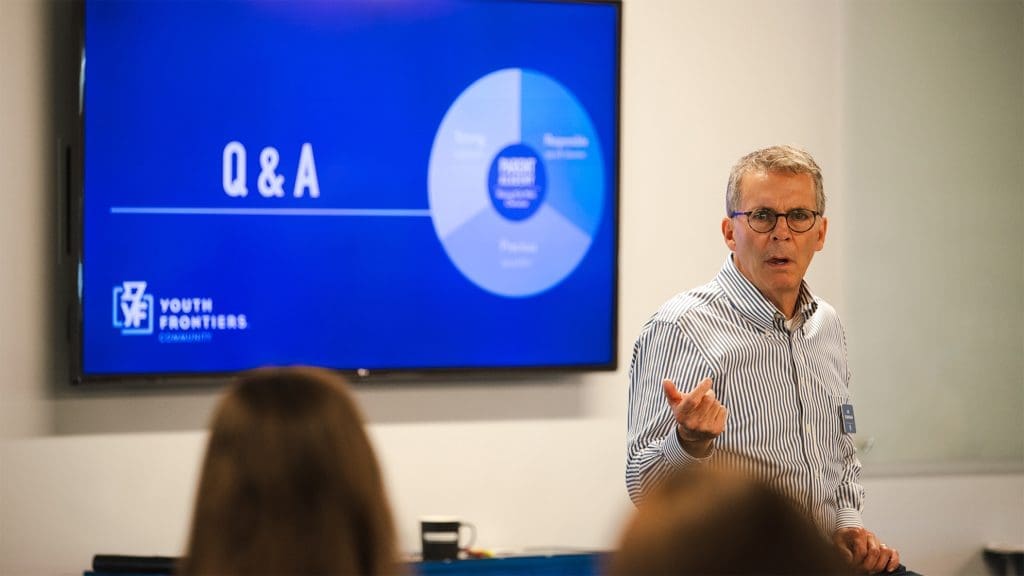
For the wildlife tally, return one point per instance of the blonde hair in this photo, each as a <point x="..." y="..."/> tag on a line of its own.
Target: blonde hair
<point x="290" y="483"/>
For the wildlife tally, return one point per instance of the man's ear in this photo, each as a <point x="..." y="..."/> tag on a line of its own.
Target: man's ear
<point x="727" y="233"/>
<point x="822" y="229"/>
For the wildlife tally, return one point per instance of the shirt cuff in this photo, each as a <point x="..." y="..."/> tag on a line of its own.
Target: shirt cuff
<point x="676" y="455"/>
<point x="848" y="518"/>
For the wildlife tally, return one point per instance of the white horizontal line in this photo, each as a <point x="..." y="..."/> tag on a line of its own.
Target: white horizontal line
<point x="268" y="211"/>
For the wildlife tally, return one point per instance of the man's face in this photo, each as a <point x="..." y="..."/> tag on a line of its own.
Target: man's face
<point x="775" y="262"/>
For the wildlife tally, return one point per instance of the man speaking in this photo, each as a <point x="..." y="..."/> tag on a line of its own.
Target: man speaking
<point x="750" y="370"/>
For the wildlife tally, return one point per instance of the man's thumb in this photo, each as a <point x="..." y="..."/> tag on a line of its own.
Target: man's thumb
<point x="671" y="392"/>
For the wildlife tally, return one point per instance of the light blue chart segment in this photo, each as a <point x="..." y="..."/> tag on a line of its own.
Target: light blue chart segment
<point x="557" y="127"/>
<point x="516" y="258"/>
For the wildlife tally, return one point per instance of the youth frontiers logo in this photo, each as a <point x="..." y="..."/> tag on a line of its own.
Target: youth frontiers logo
<point x="133" y="308"/>
<point x="175" y="320"/>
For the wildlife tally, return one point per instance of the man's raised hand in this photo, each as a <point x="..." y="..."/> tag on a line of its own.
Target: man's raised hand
<point x="700" y="417"/>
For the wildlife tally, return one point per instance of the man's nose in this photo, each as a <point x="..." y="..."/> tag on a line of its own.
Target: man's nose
<point x="781" y="230"/>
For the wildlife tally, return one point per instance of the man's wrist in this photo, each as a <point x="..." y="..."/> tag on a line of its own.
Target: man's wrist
<point x="695" y="448"/>
<point x="674" y="453"/>
<point x="848" y="518"/>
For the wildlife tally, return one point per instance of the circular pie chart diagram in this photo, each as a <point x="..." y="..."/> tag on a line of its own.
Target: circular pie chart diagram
<point x="516" y="182"/>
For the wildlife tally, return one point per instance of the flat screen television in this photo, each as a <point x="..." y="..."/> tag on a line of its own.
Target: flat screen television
<point x="373" y="186"/>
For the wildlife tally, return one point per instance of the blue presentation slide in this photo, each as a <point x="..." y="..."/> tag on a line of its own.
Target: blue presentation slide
<point x="352" y="184"/>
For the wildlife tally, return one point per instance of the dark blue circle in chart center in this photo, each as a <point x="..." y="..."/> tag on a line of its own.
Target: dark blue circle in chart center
<point x="517" y="182"/>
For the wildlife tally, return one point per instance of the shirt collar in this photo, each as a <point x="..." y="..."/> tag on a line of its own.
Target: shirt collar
<point x="749" y="301"/>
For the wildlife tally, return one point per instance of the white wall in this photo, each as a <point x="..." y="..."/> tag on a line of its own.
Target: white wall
<point x="65" y="498"/>
<point x="934" y="110"/>
<point x="533" y="464"/>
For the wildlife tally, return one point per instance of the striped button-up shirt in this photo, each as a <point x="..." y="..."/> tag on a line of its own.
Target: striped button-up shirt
<point x="784" y="386"/>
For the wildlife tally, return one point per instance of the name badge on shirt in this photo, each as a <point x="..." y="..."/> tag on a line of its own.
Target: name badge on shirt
<point x="849" y="422"/>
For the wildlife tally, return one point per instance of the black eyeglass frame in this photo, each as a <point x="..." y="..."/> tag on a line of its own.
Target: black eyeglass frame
<point x="776" y="216"/>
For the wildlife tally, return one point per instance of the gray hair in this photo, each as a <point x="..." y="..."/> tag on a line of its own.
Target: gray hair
<point x="774" y="159"/>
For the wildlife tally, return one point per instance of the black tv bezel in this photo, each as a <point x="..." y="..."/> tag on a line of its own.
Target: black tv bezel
<point x="71" y="203"/>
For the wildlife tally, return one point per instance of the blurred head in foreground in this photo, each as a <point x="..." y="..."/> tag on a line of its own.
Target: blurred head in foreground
<point x="290" y="483"/>
<point x="706" y="521"/>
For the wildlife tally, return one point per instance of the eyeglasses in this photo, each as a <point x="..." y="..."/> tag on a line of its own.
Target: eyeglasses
<point x="764" y="220"/>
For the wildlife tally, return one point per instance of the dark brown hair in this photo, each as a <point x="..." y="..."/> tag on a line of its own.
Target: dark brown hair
<point x="709" y="521"/>
<point x="290" y="483"/>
